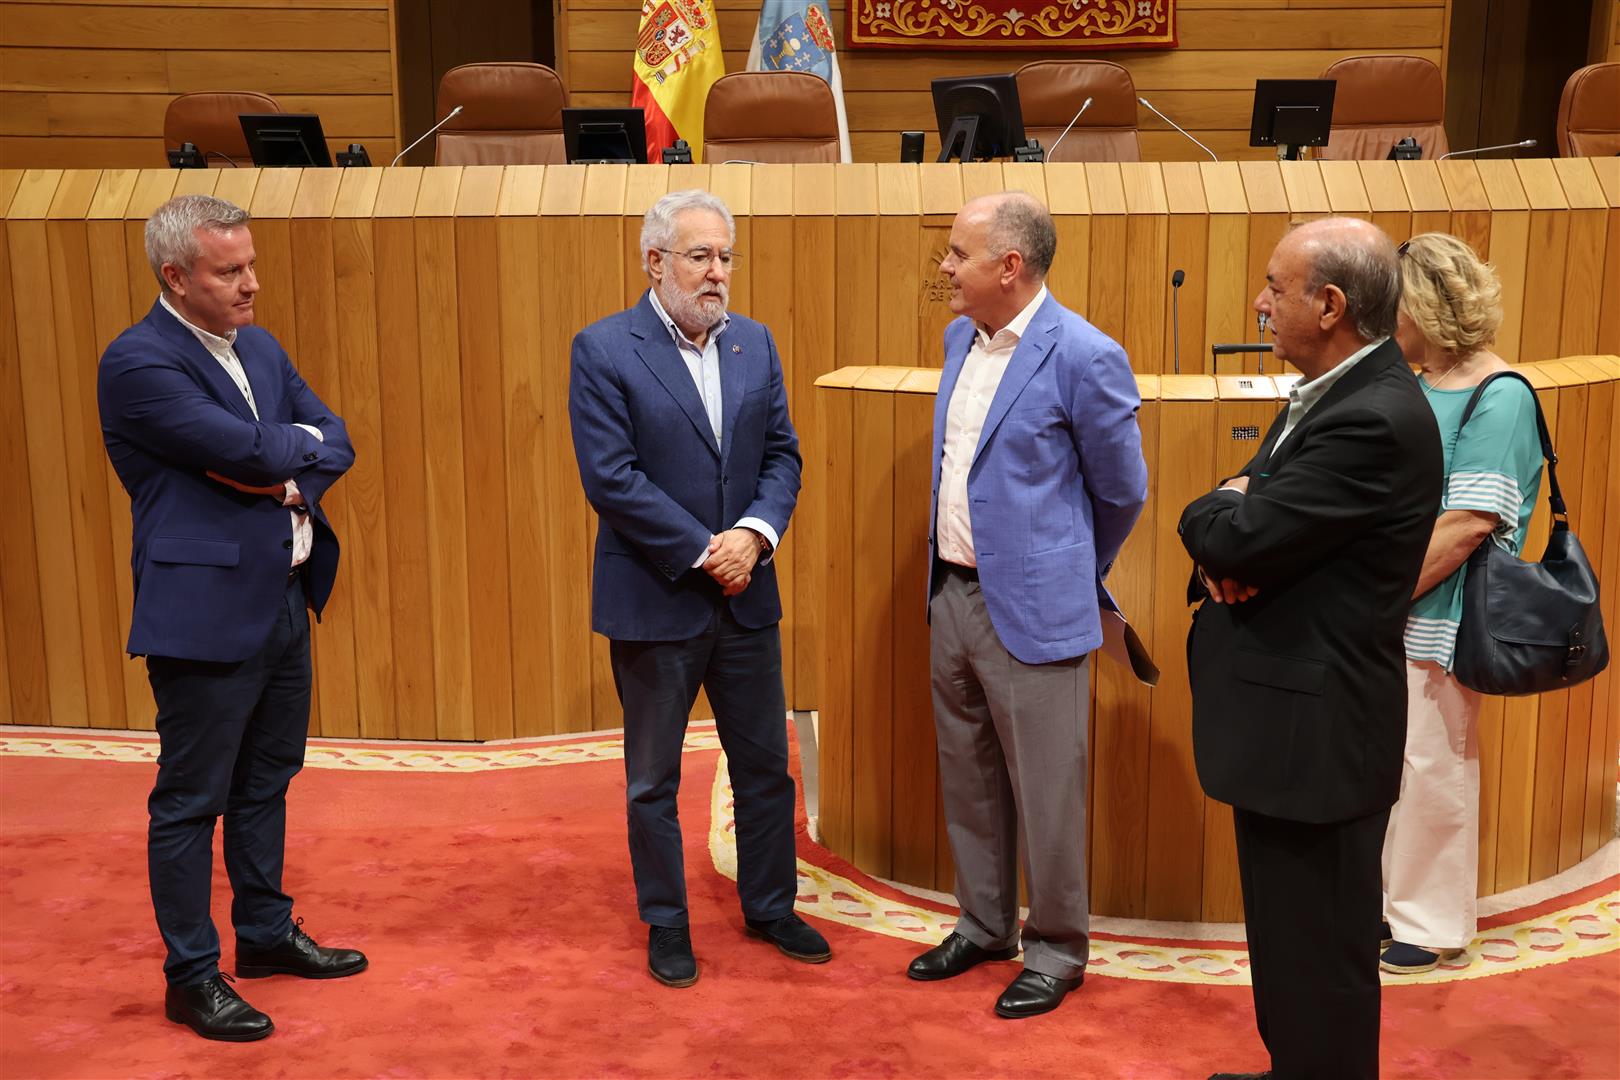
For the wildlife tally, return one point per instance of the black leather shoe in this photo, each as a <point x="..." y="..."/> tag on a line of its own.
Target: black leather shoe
<point x="215" y="1011"/>
<point x="1240" y="1076"/>
<point x="793" y="936"/>
<point x="669" y="955"/>
<point x="297" y="954"/>
<point x="1033" y="993"/>
<point x="953" y="956"/>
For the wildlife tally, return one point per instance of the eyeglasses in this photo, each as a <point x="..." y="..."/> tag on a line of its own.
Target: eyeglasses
<point x="1400" y="252"/>
<point x="701" y="258"/>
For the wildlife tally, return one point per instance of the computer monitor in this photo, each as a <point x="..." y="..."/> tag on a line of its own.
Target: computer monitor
<point x="286" y="140"/>
<point x="605" y="136"/>
<point x="978" y="116"/>
<point x="1291" y="113"/>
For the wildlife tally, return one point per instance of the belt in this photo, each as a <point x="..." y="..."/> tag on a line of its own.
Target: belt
<point x="966" y="573"/>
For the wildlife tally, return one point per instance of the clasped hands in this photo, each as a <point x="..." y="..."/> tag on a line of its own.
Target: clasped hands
<point x="732" y="557"/>
<point x="1228" y="590"/>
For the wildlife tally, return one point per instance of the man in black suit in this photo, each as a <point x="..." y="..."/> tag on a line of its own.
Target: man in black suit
<point x="1306" y="562"/>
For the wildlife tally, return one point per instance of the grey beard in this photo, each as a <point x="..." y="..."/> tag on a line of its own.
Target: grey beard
<point x="684" y="308"/>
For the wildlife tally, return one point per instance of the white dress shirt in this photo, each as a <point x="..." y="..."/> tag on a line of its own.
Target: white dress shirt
<point x="223" y="349"/>
<point x="703" y="364"/>
<point x="975" y="389"/>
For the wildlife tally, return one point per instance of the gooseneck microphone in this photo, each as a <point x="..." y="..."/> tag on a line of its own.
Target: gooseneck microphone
<point x="455" y="112"/>
<point x="1084" y="105"/>
<point x="1148" y="105"/>
<point x="1175" y="312"/>
<point x="1520" y="145"/>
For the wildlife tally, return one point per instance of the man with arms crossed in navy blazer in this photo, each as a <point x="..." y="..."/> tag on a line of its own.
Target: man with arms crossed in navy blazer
<point x="685" y="449"/>
<point x="1038" y="477"/>
<point x="225" y="453"/>
<point x="1306" y="561"/>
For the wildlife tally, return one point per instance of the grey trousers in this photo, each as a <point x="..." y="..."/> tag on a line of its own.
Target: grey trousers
<point x="1012" y="767"/>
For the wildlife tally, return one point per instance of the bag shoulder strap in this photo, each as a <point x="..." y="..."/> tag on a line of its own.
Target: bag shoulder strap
<point x="1555" y="497"/>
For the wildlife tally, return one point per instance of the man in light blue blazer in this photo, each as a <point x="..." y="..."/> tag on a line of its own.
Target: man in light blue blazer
<point x="1037" y="479"/>
<point x="685" y="449"/>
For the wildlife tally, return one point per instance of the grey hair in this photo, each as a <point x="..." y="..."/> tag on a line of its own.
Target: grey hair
<point x="658" y="226"/>
<point x="1020" y="223"/>
<point x="171" y="231"/>
<point x="1365" y="269"/>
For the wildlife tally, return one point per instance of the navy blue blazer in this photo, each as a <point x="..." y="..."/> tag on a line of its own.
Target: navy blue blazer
<point x="1056" y="483"/>
<point x="661" y="486"/>
<point x="211" y="562"/>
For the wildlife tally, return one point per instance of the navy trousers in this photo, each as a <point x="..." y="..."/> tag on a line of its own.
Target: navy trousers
<point x="657" y="681"/>
<point x="231" y="737"/>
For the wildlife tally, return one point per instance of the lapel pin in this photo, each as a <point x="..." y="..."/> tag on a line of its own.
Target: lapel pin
<point x="736" y="348"/>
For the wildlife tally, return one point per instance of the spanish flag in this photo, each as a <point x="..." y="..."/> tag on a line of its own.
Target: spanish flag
<point x="677" y="59"/>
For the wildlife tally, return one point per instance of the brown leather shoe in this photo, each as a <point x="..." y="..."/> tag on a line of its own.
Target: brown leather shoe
<point x="215" y="1011"/>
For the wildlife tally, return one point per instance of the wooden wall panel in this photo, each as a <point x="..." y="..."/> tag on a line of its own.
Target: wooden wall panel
<point x="1206" y="84"/>
<point x="1122" y="739"/>
<point x="85" y="85"/>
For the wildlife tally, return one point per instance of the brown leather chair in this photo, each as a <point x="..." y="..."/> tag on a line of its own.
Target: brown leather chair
<point x="512" y="115"/>
<point x="1381" y="100"/>
<point x="1589" y="113"/>
<point x="778" y="117"/>
<point x="1051" y="91"/>
<point x="209" y="122"/>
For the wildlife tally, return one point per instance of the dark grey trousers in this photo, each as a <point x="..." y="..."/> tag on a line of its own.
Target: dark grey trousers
<point x="1012" y="766"/>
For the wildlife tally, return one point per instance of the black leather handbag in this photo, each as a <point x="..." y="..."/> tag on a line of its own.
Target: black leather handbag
<point x="1528" y="628"/>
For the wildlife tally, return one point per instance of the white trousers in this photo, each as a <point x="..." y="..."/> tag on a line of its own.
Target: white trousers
<point x="1431" y="851"/>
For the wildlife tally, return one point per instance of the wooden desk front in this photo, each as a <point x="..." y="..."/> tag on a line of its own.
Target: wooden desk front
<point x="1158" y="848"/>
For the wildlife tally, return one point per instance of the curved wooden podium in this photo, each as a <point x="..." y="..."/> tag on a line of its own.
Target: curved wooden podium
<point x="1159" y="849"/>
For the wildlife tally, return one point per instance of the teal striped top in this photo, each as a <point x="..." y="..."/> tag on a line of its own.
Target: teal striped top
<point x="1493" y="466"/>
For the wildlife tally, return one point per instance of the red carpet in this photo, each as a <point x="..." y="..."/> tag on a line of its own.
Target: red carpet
<point x="498" y="913"/>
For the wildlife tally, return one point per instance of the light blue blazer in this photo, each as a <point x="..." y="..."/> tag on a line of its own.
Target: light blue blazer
<point x="1056" y="483"/>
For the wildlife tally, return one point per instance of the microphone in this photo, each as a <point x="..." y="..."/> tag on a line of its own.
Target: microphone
<point x="1084" y="105"/>
<point x="1261" y="321"/>
<point x="1175" y="307"/>
<point x="1149" y="106"/>
<point x="455" y="112"/>
<point x="1487" y="149"/>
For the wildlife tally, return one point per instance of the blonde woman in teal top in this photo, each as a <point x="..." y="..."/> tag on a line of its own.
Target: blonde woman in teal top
<point x="1450" y="311"/>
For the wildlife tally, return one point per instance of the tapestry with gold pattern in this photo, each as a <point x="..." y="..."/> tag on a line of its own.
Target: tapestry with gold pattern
<point x="1011" y="24"/>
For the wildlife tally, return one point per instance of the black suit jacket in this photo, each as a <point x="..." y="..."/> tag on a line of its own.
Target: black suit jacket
<point x="1299" y="694"/>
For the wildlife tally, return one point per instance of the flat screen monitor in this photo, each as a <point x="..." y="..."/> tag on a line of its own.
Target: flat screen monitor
<point x="605" y="136"/>
<point x="978" y="117"/>
<point x="286" y="140"/>
<point x="1292" y="113"/>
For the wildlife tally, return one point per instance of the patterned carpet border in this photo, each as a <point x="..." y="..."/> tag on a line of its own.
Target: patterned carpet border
<point x="1587" y="929"/>
<point x="364" y="757"/>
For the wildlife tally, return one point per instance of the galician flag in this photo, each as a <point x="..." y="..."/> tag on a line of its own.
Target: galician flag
<point x="677" y="59"/>
<point x="794" y="35"/>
